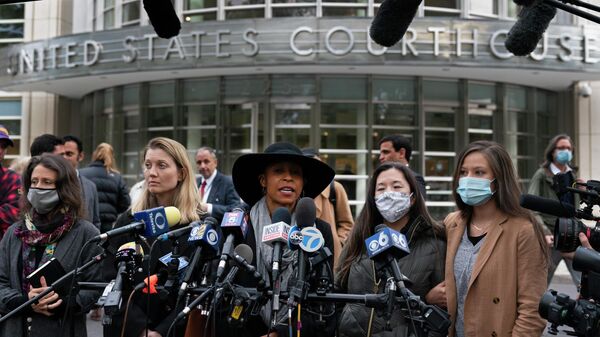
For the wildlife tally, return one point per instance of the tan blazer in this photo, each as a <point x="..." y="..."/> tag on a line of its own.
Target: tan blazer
<point x="344" y="222"/>
<point x="507" y="283"/>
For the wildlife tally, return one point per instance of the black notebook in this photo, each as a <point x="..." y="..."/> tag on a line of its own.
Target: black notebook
<point x="51" y="270"/>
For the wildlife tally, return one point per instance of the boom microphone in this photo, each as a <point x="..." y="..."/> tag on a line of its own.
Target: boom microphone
<point x="129" y="253"/>
<point x="547" y="206"/>
<point x="163" y="18"/>
<point x="235" y="226"/>
<point x="529" y="29"/>
<point x="392" y="21"/>
<point x="150" y="223"/>
<point x="275" y="235"/>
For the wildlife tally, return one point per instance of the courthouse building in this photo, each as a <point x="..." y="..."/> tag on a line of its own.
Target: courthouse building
<point x="245" y="73"/>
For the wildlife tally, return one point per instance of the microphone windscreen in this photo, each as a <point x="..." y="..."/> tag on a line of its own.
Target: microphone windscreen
<point x="244" y="251"/>
<point x="380" y="227"/>
<point x="163" y="18"/>
<point x="211" y="221"/>
<point x="547" y="206"/>
<point x="306" y="212"/>
<point x="392" y="21"/>
<point x="529" y="29"/>
<point x="525" y="3"/>
<point x="173" y="215"/>
<point x="282" y="214"/>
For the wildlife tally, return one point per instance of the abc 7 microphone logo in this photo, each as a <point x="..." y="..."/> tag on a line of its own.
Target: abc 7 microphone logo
<point x="382" y="241"/>
<point x="312" y="240"/>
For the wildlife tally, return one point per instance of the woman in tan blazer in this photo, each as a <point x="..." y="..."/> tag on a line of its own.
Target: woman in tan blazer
<point x="496" y="259"/>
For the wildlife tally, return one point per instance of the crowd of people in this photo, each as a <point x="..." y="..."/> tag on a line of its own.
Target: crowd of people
<point x="50" y="208"/>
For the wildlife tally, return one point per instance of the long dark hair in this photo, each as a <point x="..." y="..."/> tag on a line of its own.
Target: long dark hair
<point x="508" y="190"/>
<point x="67" y="185"/>
<point x="370" y="217"/>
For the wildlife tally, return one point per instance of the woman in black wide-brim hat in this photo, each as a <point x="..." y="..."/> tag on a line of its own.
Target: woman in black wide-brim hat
<point x="279" y="177"/>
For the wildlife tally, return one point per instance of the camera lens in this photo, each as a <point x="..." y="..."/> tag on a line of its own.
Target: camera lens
<point x="566" y="232"/>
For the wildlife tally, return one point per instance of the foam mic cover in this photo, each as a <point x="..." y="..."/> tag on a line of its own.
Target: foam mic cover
<point x="306" y="212"/>
<point x="392" y="21"/>
<point x="525" y="3"/>
<point x="529" y="29"/>
<point x="547" y="206"/>
<point x="244" y="251"/>
<point x="163" y="18"/>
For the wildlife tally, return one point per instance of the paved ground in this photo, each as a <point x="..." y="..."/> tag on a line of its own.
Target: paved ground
<point x="561" y="282"/>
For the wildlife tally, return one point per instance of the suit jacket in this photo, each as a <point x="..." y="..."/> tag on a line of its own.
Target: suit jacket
<point x="90" y="199"/>
<point x="222" y="195"/>
<point x="507" y="283"/>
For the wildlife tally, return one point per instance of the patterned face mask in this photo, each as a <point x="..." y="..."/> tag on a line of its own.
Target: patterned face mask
<point x="43" y="200"/>
<point x="474" y="191"/>
<point x="393" y="205"/>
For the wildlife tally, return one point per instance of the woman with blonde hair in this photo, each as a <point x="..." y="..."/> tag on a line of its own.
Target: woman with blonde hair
<point x="113" y="196"/>
<point x="168" y="181"/>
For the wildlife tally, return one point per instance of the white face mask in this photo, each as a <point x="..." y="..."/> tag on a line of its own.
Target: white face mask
<point x="393" y="205"/>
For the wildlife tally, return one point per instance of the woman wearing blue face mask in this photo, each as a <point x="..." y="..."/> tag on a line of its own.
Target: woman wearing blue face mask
<point x="395" y="200"/>
<point x="51" y="226"/>
<point x="557" y="160"/>
<point x="496" y="261"/>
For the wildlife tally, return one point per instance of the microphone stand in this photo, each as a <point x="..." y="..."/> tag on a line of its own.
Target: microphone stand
<point x="60" y="282"/>
<point x="571" y="9"/>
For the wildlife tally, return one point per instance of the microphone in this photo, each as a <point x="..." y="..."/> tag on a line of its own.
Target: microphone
<point x="126" y="255"/>
<point x="392" y="21"/>
<point x="529" y="29"/>
<point x="149" y="223"/>
<point x="547" y="206"/>
<point x="306" y="214"/>
<point x="177" y="233"/>
<point x="205" y="237"/>
<point x="275" y="235"/>
<point x="385" y="247"/>
<point x="235" y="226"/>
<point x="163" y="18"/>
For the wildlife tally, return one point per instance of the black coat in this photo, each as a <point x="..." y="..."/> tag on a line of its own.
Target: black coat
<point x="113" y="194"/>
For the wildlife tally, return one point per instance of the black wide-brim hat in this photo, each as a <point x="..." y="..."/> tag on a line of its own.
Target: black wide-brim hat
<point x="247" y="168"/>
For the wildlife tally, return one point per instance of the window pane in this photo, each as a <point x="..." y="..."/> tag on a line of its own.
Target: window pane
<point x="440" y="118"/>
<point x="443" y="3"/>
<point x="200" y="90"/>
<point x="292" y="114"/>
<point x="236" y="87"/>
<point x="16" y="11"/>
<point x="300" y="11"/>
<point x="299" y="137"/>
<point x="522" y="120"/>
<point x="335" y="138"/>
<point x="13" y="126"/>
<point x="199" y="115"/>
<point x="10" y="108"/>
<point x="516" y="98"/>
<point x="11" y="30"/>
<point x="109" y="19"/>
<point x="199" y="4"/>
<point x="293" y="86"/>
<point x="395" y="114"/>
<point x="343" y="113"/>
<point x="345" y="163"/>
<point x="480" y="122"/>
<point x="439" y="167"/>
<point x="131" y="95"/>
<point x="440" y="91"/>
<point x="108" y="99"/>
<point x="439" y="141"/>
<point x="484" y="6"/>
<point x="194" y="139"/>
<point x="335" y="11"/>
<point x="131" y="11"/>
<point x="482" y="93"/>
<point x="344" y="88"/>
<point x="161" y="93"/>
<point x="162" y="116"/>
<point x="201" y="17"/>
<point x="480" y="136"/>
<point x="393" y="90"/>
<point x="132" y="120"/>
<point x="132" y="142"/>
<point x="160" y="133"/>
<point x="244" y="14"/>
<point x="440" y="191"/>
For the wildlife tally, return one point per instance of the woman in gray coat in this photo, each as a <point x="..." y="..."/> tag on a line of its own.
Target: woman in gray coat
<point x="395" y="200"/>
<point x="51" y="226"/>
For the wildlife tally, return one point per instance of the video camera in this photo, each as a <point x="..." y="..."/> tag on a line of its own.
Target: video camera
<point x="583" y="315"/>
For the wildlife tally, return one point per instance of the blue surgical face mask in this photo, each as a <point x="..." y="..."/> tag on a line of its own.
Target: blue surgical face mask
<point x="564" y="156"/>
<point x="474" y="191"/>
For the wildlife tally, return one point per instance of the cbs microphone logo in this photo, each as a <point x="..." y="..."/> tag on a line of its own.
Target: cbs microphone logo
<point x="382" y="241"/>
<point x="212" y="237"/>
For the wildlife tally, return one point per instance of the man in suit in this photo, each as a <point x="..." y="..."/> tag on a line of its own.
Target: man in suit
<point x="72" y="151"/>
<point x="216" y="189"/>
<point x="398" y="148"/>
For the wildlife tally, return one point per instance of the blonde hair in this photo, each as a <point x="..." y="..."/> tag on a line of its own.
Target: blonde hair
<point x="186" y="197"/>
<point x="104" y="152"/>
<point x="19" y="164"/>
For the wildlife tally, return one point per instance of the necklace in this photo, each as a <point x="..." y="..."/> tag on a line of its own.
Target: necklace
<point x="480" y="229"/>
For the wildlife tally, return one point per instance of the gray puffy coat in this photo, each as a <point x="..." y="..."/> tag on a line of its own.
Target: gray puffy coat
<point x="424" y="266"/>
<point x="67" y="249"/>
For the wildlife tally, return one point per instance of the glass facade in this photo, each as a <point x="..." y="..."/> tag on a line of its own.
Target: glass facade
<point x="342" y="115"/>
